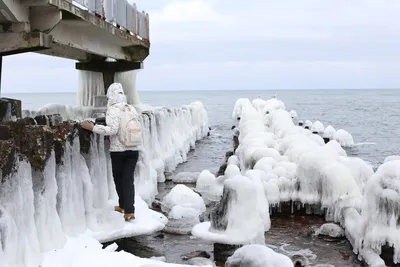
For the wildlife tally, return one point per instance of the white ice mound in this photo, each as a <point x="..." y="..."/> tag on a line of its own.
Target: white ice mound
<point x="184" y="196"/>
<point x="330" y="229"/>
<point x="344" y="138"/>
<point x="234" y="220"/>
<point x="181" y="220"/>
<point x="381" y="210"/>
<point x="258" y="256"/>
<point x="185" y="177"/>
<point x="147" y="222"/>
<point x="208" y="186"/>
<point x="390" y="158"/>
<point x="293" y="114"/>
<point x="308" y="124"/>
<point x="84" y="251"/>
<point x="329" y="132"/>
<point x="239" y="105"/>
<point x="317" y="127"/>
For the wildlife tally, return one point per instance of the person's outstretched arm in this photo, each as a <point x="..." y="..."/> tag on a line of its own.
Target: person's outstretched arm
<point x="113" y="117"/>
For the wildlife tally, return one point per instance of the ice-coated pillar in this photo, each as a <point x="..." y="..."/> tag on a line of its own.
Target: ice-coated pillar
<point x="97" y="75"/>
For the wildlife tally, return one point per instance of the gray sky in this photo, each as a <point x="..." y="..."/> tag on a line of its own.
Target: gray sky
<point x="252" y="44"/>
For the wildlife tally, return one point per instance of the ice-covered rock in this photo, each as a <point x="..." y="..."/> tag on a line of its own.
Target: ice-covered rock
<point x="329" y="132"/>
<point x="390" y="158"/>
<point x="258" y="256"/>
<point x="293" y="114"/>
<point x="317" y="127"/>
<point x="239" y="105"/>
<point x="208" y="186"/>
<point x="381" y="211"/>
<point x="344" y="138"/>
<point x="331" y="230"/>
<point x="183" y="196"/>
<point x="185" y="177"/>
<point x="232" y="220"/>
<point x="181" y="220"/>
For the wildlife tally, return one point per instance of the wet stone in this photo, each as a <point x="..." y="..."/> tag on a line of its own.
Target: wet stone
<point x="196" y="254"/>
<point x="5" y="133"/>
<point x="37" y="144"/>
<point x="63" y="132"/>
<point x="7" y="158"/>
<point x="219" y="214"/>
<point x="223" y="251"/>
<point x="85" y="138"/>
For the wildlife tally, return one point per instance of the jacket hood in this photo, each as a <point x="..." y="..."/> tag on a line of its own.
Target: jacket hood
<point x="115" y="94"/>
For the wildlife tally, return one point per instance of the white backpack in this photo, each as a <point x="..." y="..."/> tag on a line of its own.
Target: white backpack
<point x="130" y="130"/>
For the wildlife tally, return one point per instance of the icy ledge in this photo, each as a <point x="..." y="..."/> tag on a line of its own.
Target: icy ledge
<point x="60" y="186"/>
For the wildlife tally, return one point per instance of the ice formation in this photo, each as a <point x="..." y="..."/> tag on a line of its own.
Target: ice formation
<point x="183" y="196"/>
<point x="381" y="211"/>
<point x="330" y="229"/>
<point x="317" y="127"/>
<point x="185" y="177"/>
<point x="344" y="138"/>
<point x="168" y="135"/>
<point x="258" y="256"/>
<point x="390" y="158"/>
<point x="43" y="211"/>
<point x="85" y="251"/>
<point x="208" y="186"/>
<point x="291" y="163"/>
<point x="232" y="221"/>
<point x="181" y="220"/>
<point x="40" y="211"/>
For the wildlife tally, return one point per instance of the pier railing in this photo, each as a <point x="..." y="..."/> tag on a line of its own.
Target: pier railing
<point x="121" y="14"/>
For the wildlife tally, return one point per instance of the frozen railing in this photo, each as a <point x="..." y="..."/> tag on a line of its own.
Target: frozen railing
<point x="120" y="13"/>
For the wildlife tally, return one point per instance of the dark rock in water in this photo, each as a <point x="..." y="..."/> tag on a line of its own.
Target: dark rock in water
<point x="131" y="245"/>
<point x="218" y="216"/>
<point x="315" y="132"/>
<point x="156" y="205"/>
<point x="326" y="140"/>
<point x="233" y="127"/>
<point x="196" y="254"/>
<point x="238" y="118"/>
<point x="301" y="123"/>
<point x="223" y="251"/>
<point x="300" y="260"/>
<point x="235" y="142"/>
<point x="222" y="169"/>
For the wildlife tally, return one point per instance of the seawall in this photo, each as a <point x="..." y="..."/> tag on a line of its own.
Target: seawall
<point x="56" y="179"/>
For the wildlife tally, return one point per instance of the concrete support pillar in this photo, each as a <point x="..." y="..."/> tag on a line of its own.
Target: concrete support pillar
<point x="1" y="67"/>
<point x="108" y="68"/>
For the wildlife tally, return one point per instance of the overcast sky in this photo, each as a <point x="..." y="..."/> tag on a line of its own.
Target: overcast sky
<point x="252" y="44"/>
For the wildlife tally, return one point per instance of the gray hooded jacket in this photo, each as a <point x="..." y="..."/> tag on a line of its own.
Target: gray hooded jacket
<point x="116" y="99"/>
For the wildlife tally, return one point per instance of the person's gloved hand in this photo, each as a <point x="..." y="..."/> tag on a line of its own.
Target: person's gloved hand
<point x="87" y="125"/>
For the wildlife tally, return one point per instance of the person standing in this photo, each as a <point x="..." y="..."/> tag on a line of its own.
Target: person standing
<point x="123" y="127"/>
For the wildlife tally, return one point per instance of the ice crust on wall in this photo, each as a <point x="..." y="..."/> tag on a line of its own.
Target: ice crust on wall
<point x="168" y="133"/>
<point x="291" y="163"/>
<point x="43" y="211"/>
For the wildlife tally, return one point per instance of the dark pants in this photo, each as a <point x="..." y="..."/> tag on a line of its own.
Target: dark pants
<point x="123" y="167"/>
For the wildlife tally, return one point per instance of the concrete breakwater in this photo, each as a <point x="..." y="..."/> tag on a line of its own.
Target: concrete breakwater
<point x="56" y="179"/>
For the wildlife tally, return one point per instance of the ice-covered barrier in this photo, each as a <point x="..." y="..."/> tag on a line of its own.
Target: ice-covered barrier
<point x="381" y="210"/>
<point x="301" y="168"/>
<point x="57" y="181"/>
